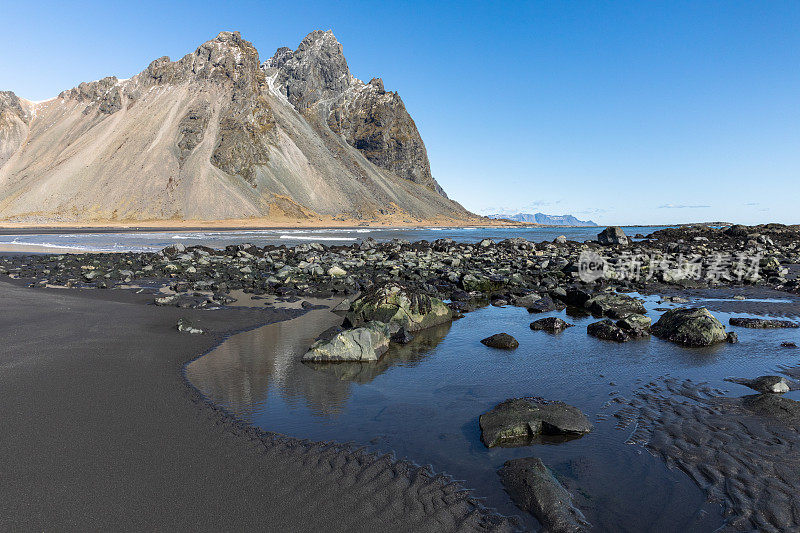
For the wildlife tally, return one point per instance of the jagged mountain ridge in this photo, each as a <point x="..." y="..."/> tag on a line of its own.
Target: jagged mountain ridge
<point x="219" y="135"/>
<point x="541" y="218"/>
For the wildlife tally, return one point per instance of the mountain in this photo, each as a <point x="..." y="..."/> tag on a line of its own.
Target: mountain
<point x="220" y="135"/>
<point x="541" y="218"/>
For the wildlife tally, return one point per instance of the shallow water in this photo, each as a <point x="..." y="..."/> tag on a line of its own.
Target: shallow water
<point x="422" y="401"/>
<point x="144" y="241"/>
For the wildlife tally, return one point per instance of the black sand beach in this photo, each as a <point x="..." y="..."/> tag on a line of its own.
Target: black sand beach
<point x="101" y="432"/>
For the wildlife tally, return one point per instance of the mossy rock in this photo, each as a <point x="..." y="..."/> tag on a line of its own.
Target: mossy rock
<point x="398" y="307"/>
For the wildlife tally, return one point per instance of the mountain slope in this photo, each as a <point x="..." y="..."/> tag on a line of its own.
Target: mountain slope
<point x="218" y="135"/>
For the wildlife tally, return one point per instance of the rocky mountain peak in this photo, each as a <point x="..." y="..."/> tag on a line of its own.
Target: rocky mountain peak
<point x="316" y="71"/>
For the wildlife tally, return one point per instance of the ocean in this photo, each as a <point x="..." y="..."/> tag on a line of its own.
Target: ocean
<point x="148" y="241"/>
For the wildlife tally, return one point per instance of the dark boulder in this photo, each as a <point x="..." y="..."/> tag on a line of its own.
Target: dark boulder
<point x="690" y="327"/>
<point x="551" y="324"/>
<point x="612" y="235"/>
<point x="534" y="489"/>
<point x="762" y="323"/>
<point x="504" y="341"/>
<point x="518" y="421"/>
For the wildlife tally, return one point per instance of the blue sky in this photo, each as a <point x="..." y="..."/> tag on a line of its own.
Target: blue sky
<point x="622" y="112"/>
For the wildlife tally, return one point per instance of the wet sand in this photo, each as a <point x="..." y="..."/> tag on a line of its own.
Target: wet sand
<point x="735" y="449"/>
<point x="100" y="431"/>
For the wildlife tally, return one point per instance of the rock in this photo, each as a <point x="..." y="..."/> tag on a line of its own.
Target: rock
<point x="609" y="331"/>
<point x="774" y="406"/>
<point x="732" y="337"/>
<point x="517" y="421"/>
<point x="365" y="343"/>
<point x="612" y="235"/>
<point x="344" y="305"/>
<point x="551" y="324"/>
<point x="172" y="299"/>
<point x="690" y="327"/>
<point x="787" y="344"/>
<point x="186" y="326"/>
<point x="635" y="323"/>
<point x="396" y="305"/>
<point x="577" y="297"/>
<point x="504" y="341"/>
<point x="401" y="336"/>
<point x="545" y="304"/>
<point x="762" y="323"/>
<point x="614" y="305"/>
<point x="561" y="239"/>
<point x="766" y="384"/>
<point x="527" y="301"/>
<point x="534" y="489"/>
<point x="337" y="272"/>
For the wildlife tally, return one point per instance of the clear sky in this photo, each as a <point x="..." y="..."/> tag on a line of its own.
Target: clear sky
<point x="622" y="112"/>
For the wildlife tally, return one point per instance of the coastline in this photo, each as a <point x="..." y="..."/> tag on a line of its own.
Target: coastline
<point x="106" y="425"/>
<point x="254" y="223"/>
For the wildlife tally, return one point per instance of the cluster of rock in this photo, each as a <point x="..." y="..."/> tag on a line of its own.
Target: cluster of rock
<point x="538" y="276"/>
<point x="386" y="313"/>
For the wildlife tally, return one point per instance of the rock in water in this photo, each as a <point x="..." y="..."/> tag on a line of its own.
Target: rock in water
<point x="614" y="305"/>
<point x="551" y="324"/>
<point x="766" y="384"/>
<point x="393" y="304"/>
<point x="608" y="331"/>
<point x="534" y="489"/>
<point x="762" y="323"/>
<point x="186" y="326"/>
<point x="690" y="327"/>
<point x="504" y="341"/>
<point x="365" y="343"/>
<point x="517" y="421"/>
<point x="612" y="235"/>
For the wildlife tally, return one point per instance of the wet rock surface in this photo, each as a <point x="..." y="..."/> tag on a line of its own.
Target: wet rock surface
<point x="551" y="324"/>
<point x="690" y="327"/>
<point x="394" y="304"/>
<point x="533" y="488"/>
<point x="766" y="384"/>
<point x="762" y="323"/>
<point x="502" y="341"/>
<point x="518" y="421"/>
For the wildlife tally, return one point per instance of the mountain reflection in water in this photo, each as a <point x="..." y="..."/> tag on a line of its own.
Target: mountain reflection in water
<point x="240" y="373"/>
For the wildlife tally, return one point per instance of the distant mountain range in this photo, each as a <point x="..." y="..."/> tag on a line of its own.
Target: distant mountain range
<point x="541" y="218"/>
<point x="219" y="134"/>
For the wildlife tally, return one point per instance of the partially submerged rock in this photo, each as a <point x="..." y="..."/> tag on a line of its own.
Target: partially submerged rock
<point x="614" y="305"/>
<point x="690" y="327"/>
<point x="366" y="343"/>
<point x="517" y="421"/>
<point x="534" y="489"/>
<point x="393" y="304"/>
<point x="550" y="324"/>
<point x="774" y="406"/>
<point x="766" y="384"/>
<point x="762" y="323"/>
<point x="504" y="341"/>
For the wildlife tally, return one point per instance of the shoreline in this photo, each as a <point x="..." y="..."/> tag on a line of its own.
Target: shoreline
<point x="160" y="445"/>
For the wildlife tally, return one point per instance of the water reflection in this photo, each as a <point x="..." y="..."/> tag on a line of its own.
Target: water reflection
<point x="407" y="355"/>
<point x="240" y="373"/>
